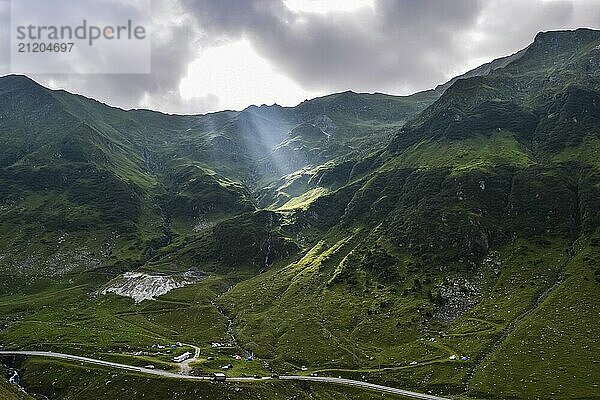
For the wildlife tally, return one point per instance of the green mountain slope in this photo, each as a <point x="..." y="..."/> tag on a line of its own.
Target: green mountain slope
<point x="103" y="186"/>
<point x="465" y="237"/>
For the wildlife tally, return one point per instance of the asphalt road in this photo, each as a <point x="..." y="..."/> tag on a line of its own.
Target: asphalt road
<point x="365" y="385"/>
<point x="157" y="372"/>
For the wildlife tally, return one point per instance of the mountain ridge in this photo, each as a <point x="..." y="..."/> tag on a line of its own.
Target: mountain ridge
<point x="442" y="243"/>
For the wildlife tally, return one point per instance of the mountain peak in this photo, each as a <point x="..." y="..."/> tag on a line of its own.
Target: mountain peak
<point x="565" y="41"/>
<point x="585" y="34"/>
<point x="17" y="80"/>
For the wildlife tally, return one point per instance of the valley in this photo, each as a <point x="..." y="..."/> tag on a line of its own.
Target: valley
<point x="445" y="243"/>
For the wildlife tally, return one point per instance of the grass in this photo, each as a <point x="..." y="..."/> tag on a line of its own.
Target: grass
<point x="550" y="352"/>
<point x="587" y="152"/>
<point x="364" y="329"/>
<point x="224" y="357"/>
<point x="75" y="320"/>
<point x="65" y="380"/>
<point x="304" y="200"/>
<point x="336" y="321"/>
<point x="481" y="152"/>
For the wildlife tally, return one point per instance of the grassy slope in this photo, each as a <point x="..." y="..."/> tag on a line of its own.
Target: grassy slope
<point x="71" y="317"/>
<point x="9" y="392"/>
<point x="360" y="330"/>
<point x="552" y="352"/>
<point x="96" y="185"/>
<point x="479" y="152"/>
<point x="63" y="380"/>
<point x="528" y="221"/>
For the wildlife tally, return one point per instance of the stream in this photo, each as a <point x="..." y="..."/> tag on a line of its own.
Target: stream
<point x="232" y="339"/>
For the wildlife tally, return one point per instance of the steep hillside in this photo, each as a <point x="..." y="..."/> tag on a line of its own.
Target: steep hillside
<point x="85" y="185"/>
<point x="474" y="234"/>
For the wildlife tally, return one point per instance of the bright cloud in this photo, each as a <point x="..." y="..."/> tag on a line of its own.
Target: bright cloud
<point x="236" y="75"/>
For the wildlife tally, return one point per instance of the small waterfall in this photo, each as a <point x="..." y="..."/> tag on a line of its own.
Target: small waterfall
<point x="14" y="379"/>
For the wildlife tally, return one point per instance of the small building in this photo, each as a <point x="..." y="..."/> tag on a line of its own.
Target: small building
<point x="219" y="377"/>
<point x="185" y="356"/>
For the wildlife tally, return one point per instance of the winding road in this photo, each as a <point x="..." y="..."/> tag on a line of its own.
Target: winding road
<point x="319" y="379"/>
<point x="364" y="385"/>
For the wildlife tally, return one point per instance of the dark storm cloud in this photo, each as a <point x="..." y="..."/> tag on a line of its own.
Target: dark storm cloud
<point x="174" y="46"/>
<point x="397" y="46"/>
<point x="400" y="45"/>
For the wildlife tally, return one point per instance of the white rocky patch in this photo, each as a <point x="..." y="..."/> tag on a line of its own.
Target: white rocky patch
<point x="142" y="286"/>
<point x="459" y="296"/>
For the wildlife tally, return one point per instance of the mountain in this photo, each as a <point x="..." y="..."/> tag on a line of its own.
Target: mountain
<point x="445" y="241"/>
<point x="92" y="178"/>
<point x="473" y="233"/>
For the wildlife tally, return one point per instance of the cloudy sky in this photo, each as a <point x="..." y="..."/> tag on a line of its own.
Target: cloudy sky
<point x="210" y="55"/>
